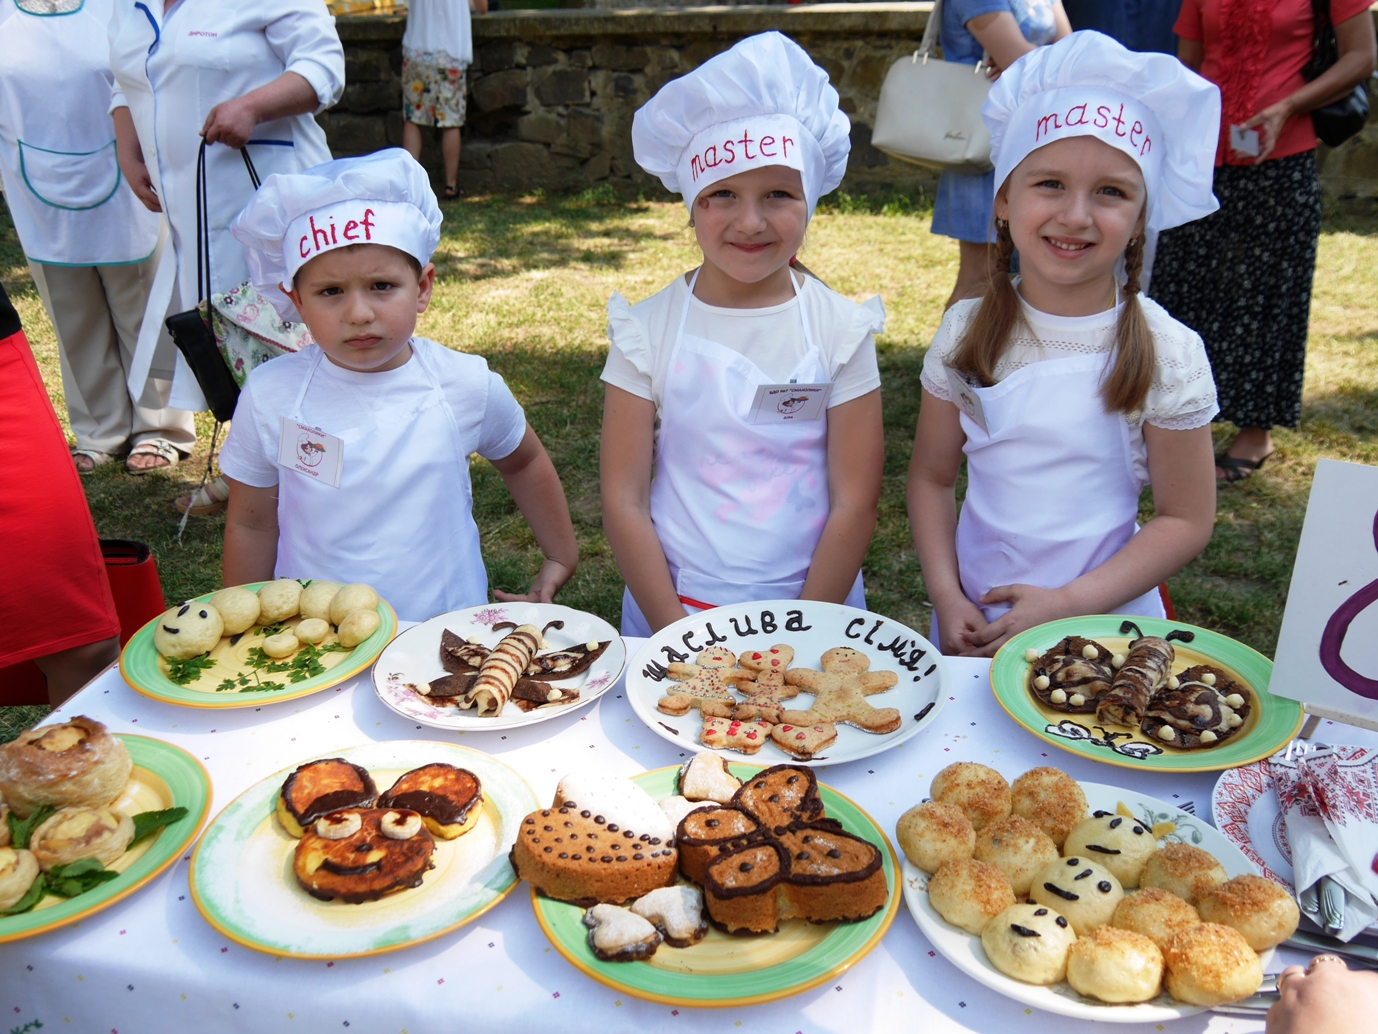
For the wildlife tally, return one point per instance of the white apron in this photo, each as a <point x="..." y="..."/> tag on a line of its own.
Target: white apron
<point x="1051" y="488"/>
<point x="402" y="518"/>
<point x="738" y="507"/>
<point x="70" y="205"/>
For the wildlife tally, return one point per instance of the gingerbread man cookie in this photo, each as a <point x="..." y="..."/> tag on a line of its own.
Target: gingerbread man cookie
<point x="747" y="737"/>
<point x="840" y="691"/>
<point x="804" y="741"/>
<point x="706" y="681"/>
<point x="770" y="690"/>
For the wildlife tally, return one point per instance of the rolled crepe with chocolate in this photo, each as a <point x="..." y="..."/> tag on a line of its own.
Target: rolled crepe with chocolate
<point x="493" y="685"/>
<point x="1146" y="668"/>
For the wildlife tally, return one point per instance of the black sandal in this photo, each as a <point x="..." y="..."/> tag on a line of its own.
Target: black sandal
<point x="1237" y="469"/>
<point x="451" y="191"/>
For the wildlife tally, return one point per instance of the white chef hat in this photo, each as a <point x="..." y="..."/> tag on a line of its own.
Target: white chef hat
<point x="764" y="102"/>
<point x="380" y="198"/>
<point x="1150" y="106"/>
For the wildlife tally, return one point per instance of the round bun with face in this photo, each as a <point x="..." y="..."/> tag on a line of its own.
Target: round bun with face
<point x="1184" y="870"/>
<point x="238" y="608"/>
<point x="279" y="600"/>
<point x="969" y="894"/>
<point x="1258" y="908"/>
<point x="1029" y="943"/>
<point x="1082" y="890"/>
<point x="1051" y="798"/>
<point x="1156" y="913"/>
<point x="1120" y="844"/>
<point x="315" y="599"/>
<point x="1115" y="966"/>
<point x="933" y="833"/>
<point x="979" y="791"/>
<point x="1209" y="964"/>
<point x="1018" y="848"/>
<point x="188" y="631"/>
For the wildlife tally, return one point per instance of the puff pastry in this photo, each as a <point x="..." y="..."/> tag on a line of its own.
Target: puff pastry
<point x="73" y="764"/>
<point x="71" y="834"/>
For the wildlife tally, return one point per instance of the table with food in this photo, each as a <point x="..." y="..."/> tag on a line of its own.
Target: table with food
<point x="287" y="810"/>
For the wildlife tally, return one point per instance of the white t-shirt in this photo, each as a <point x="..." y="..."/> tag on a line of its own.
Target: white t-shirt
<point x="491" y="422"/>
<point x="438" y="32"/>
<point x="643" y="336"/>
<point x="1183" y="392"/>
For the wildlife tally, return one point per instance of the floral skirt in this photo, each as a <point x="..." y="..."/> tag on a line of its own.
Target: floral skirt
<point x="432" y="90"/>
<point x="1241" y="278"/>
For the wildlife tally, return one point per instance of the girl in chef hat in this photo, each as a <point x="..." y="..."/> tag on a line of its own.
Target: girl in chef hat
<point x="1065" y="390"/>
<point x="349" y="460"/>
<point x="742" y="445"/>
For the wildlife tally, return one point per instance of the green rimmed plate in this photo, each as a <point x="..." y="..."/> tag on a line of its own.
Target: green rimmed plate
<point x="1273" y="723"/>
<point x="242" y="882"/>
<point x="140" y="668"/>
<point x="724" y="970"/>
<point x="164" y="777"/>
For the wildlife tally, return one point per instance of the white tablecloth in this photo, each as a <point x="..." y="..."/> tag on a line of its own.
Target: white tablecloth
<point x="151" y="964"/>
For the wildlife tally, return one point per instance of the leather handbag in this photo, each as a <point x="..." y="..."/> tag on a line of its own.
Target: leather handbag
<point x="930" y="109"/>
<point x="1336" y="122"/>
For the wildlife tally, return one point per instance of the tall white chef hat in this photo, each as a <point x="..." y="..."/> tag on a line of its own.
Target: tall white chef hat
<point x="380" y="198"/>
<point x="1150" y="106"/>
<point x="764" y="102"/>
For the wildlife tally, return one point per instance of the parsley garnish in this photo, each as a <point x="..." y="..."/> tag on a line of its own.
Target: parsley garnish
<point x="188" y="671"/>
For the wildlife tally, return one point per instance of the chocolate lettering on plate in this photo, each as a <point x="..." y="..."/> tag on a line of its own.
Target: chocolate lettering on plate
<point x="915" y="655"/>
<point x="654" y="671"/>
<point x="713" y="637"/>
<point x="687" y="644"/>
<point x="768" y="624"/>
<point x="931" y="669"/>
<point x="794" y="621"/>
<point x="923" y="711"/>
<point x="750" y="628"/>
<point x="673" y="655"/>
<point x="874" y="629"/>
<point x="851" y="625"/>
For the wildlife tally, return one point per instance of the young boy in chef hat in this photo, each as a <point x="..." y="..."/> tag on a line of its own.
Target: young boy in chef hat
<point x="1067" y="391"/>
<point x="742" y="444"/>
<point x="349" y="460"/>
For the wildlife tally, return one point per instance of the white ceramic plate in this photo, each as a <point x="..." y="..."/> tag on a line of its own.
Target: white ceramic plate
<point x="810" y="628"/>
<point x="414" y="656"/>
<point x="964" y="950"/>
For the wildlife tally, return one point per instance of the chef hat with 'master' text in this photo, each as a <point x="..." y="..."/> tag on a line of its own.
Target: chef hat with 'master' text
<point x="1149" y="106"/>
<point x="762" y="103"/>
<point x="380" y="198"/>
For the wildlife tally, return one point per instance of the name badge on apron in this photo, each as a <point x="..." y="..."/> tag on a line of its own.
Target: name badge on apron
<point x="784" y="403"/>
<point x="964" y="398"/>
<point x="311" y="452"/>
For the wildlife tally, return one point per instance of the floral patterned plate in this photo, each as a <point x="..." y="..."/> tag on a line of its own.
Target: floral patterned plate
<point x="964" y="950"/>
<point x="414" y="656"/>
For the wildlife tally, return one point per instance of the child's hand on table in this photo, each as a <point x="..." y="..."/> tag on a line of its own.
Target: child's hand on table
<point x="958" y="618"/>
<point x="1031" y="606"/>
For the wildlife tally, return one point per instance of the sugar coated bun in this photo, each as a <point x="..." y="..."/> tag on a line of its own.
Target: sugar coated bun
<point x="1018" y="848"/>
<point x="1122" y="845"/>
<point x="18" y="870"/>
<point x="969" y="894"/>
<point x="1156" y="913"/>
<point x="1082" y="890"/>
<point x="979" y="791"/>
<point x="71" y="834"/>
<point x="1051" y="798"/>
<point x="279" y="600"/>
<point x="358" y="626"/>
<point x="1209" y="964"/>
<point x="1115" y="966"/>
<point x="1184" y="870"/>
<point x="1029" y="943"/>
<point x="311" y="630"/>
<point x="238" y="608"/>
<point x="1258" y="908"/>
<point x="76" y="763"/>
<point x="315" y="599"/>
<point x="188" y="631"/>
<point x="351" y="598"/>
<point x="933" y="833"/>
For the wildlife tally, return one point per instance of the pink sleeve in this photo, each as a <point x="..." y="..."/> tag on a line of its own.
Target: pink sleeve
<point x="1343" y="10"/>
<point x="1188" y="25"/>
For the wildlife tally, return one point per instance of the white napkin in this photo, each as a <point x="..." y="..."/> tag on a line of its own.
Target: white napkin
<point x="1329" y="801"/>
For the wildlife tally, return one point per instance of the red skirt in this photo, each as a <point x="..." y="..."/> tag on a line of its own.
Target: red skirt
<point x="54" y="594"/>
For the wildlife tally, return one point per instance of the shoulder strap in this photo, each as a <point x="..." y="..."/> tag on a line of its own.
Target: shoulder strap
<point x="932" y="31"/>
<point x="203" y="232"/>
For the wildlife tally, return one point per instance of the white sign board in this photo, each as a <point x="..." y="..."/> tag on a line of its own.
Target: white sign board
<point x="1327" y="655"/>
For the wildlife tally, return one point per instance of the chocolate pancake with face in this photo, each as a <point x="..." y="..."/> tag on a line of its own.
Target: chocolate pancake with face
<point x="448" y="799"/>
<point x="320" y="787"/>
<point x="357" y="856"/>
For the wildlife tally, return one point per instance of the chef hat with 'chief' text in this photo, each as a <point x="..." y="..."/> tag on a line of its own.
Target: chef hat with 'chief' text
<point x="1149" y="106"/>
<point x="762" y="103"/>
<point x="381" y="198"/>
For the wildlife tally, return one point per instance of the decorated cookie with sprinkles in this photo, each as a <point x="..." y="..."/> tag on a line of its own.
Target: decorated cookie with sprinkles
<point x="708" y="680"/>
<point x="747" y="737"/>
<point x="804" y="741"/>
<point x="770" y="690"/>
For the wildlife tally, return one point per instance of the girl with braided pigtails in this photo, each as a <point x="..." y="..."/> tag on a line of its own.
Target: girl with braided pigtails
<point x="1066" y="392"/>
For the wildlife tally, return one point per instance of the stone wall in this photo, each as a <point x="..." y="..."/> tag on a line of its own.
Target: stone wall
<point x="551" y="93"/>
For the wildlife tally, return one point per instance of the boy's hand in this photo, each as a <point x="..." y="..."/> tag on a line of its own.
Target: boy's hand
<point x="1031" y="606"/>
<point x="550" y="581"/>
<point x="957" y="620"/>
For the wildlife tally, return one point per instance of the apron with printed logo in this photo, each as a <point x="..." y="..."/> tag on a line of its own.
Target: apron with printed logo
<point x="407" y="528"/>
<point x="738" y="506"/>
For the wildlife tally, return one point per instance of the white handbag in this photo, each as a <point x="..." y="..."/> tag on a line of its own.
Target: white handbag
<point x="930" y="110"/>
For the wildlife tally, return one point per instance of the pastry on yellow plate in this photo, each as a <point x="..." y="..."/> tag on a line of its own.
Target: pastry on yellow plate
<point x="72" y="834"/>
<point x="76" y="763"/>
<point x="18" y="870"/>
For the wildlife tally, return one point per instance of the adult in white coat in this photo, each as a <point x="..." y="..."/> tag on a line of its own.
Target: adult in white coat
<point x="89" y="243"/>
<point x="249" y="73"/>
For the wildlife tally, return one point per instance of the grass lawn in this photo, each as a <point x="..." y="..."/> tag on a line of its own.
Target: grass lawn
<point x="523" y="281"/>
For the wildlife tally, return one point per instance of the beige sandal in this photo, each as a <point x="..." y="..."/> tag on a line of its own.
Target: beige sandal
<point x="210" y="498"/>
<point x="154" y="447"/>
<point x="94" y="458"/>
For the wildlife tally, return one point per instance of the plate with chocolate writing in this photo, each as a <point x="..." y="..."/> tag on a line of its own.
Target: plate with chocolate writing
<point x="787" y="680"/>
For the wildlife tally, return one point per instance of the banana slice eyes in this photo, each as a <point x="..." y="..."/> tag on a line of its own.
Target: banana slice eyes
<point x="400" y="825"/>
<point x="338" y="825"/>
